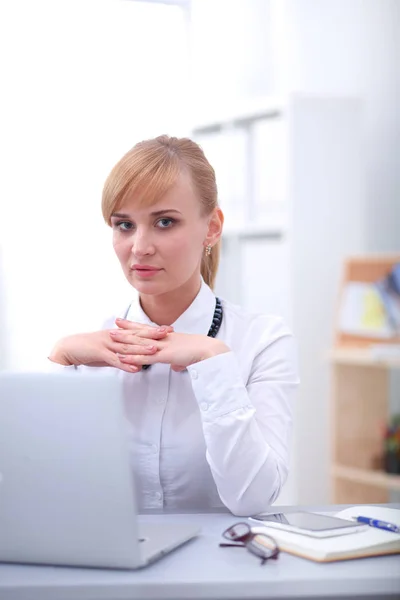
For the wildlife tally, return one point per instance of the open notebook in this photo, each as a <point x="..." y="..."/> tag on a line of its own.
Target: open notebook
<point x="368" y="542"/>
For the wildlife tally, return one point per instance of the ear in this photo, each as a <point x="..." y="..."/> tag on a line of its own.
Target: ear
<point x="215" y="225"/>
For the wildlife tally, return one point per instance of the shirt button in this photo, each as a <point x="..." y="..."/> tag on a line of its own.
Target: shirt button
<point x="154" y="448"/>
<point x="158" y="495"/>
<point x="194" y="374"/>
<point x="204" y="406"/>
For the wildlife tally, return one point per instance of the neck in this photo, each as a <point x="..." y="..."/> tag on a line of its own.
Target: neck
<point x="165" y="309"/>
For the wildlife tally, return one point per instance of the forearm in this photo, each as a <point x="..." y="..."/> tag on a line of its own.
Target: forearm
<point x="247" y="447"/>
<point x="245" y="468"/>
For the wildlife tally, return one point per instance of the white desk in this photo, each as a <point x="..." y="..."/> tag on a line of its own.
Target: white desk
<point x="201" y="569"/>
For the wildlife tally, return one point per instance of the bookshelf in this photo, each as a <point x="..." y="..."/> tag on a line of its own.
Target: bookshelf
<point x="363" y="357"/>
<point x="376" y="479"/>
<point x="360" y="401"/>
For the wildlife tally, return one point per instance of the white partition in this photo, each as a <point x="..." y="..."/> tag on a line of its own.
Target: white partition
<point x="3" y="320"/>
<point x="302" y="213"/>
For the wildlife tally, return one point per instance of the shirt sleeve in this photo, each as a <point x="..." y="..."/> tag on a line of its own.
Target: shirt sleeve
<point x="247" y="428"/>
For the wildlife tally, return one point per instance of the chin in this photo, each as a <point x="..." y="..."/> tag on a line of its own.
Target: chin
<point x="147" y="286"/>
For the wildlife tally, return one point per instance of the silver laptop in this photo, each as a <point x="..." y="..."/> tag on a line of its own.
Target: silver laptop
<point x="67" y="493"/>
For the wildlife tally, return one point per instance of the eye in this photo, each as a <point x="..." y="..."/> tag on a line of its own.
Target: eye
<point x="165" y="222"/>
<point x="123" y="225"/>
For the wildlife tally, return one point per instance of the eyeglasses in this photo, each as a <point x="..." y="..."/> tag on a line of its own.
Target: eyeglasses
<point x="260" y="544"/>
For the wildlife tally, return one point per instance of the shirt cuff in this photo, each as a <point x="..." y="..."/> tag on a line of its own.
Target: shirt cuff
<point x="218" y="386"/>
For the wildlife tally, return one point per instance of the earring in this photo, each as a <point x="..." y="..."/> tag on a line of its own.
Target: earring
<point x="208" y="250"/>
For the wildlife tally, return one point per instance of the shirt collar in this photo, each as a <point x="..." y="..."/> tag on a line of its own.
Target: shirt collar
<point x="196" y="319"/>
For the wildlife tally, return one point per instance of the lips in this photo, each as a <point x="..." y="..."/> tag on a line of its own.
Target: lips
<point x="145" y="271"/>
<point x="144" y="268"/>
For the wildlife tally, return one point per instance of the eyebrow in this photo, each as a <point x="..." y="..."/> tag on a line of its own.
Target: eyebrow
<point x="156" y="213"/>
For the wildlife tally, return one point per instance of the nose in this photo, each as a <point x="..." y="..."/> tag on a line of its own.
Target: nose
<point x="142" y="244"/>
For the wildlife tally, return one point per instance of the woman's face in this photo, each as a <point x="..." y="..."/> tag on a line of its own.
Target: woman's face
<point x="160" y="247"/>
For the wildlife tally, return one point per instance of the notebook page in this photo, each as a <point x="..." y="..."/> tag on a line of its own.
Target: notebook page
<point x="391" y="515"/>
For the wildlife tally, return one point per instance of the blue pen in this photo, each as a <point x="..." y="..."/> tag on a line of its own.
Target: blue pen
<point x="379" y="524"/>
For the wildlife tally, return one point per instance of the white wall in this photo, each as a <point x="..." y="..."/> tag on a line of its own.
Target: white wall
<point x="231" y="51"/>
<point x="351" y="47"/>
<point x="81" y="81"/>
<point x="340" y="47"/>
<point x="324" y="47"/>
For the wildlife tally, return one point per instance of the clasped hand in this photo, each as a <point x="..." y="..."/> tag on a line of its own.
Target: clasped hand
<point x="180" y="350"/>
<point x="133" y="345"/>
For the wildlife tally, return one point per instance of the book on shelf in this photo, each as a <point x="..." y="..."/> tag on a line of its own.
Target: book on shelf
<point x="372" y="308"/>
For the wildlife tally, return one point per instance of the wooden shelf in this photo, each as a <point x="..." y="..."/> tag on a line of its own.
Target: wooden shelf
<point x="360" y="396"/>
<point x="364" y="357"/>
<point x="378" y="479"/>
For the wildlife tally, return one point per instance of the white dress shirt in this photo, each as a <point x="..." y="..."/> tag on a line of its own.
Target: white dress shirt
<point x="219" y="432"/>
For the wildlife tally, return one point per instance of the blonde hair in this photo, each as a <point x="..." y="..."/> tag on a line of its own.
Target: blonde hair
<point x="149" y="169"/>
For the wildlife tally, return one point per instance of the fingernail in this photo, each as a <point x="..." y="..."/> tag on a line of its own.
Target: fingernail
<point x="134" y="369"/>
<point x="162" y="329"/>
<point x="113" y="333"/>
<point x="118" y="319"/>
<point x="150" y="347"/>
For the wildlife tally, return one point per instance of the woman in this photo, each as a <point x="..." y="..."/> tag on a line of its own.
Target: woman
<point x="209" y="387"/>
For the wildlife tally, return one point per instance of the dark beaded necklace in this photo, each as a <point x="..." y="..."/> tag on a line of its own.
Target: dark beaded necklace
<point x="217" y="319"/>
<point x="215" y="325"/>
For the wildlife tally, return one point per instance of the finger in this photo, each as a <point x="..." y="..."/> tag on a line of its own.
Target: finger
<point x="113" y="360"/>
<point x="128" y="324"/>
<point x="129" y="339"/>
<point x="122" y="335"/>
<point x="125" y="324"/>
<point x="134" y="349"/>
<point x="177" y="368"/>
<point x="139" y="359"/>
